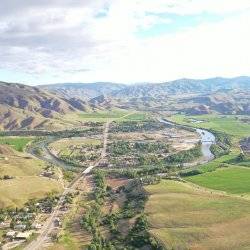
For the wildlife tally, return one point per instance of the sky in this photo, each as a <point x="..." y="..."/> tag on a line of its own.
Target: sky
<point x="125" y="41"/>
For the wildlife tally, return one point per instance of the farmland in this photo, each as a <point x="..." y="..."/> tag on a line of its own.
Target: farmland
<point x="184" y="217"/>
<point x="232" y="180"/>
<point x="102" y="116"/>
<point x="229" y="124"/>
<point x="17" y="143"/>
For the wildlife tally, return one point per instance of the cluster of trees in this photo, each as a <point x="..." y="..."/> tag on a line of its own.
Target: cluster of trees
<point x="135" y="126"/>
<point x="241" y="159"/>
<point x="120" y="148"/>
<point x="140" y="153"/>
<point x="74" y="159"/>
<point x="185" y="156"/>
<point x="139" y="237"/>
<point x="139" y="172"/>
<point x="126" y="147"/>
<point x="60" y="134"/>
<point x="190" y="173"/>
<point x="149" y="147"/>
<point x="68" y="175"/>
<point x="93" y="218"/>
<point x="79" y="155"/>
<point x="100" y="243"/>
<point x="147" y="159"/>
<point x="100" y="190"/>
<point x="49" y="201"/>
<point x="136" y="197"/>
<point x="223" y="144"/>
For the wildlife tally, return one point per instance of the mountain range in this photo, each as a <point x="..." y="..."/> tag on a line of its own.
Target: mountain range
<point x="178" y="87"/>
<point x="45" y="106"/>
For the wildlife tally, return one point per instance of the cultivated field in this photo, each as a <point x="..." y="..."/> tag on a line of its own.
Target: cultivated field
<point x="17" y="143"/>
<point x="233" y="180"/>
<point x="120" y="115"/>
<point x="229" y="124"/>
<point x="184" y="217"/>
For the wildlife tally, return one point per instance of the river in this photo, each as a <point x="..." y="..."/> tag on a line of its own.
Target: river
<point x="46" y="155"/>
<point x="206" y="138"/>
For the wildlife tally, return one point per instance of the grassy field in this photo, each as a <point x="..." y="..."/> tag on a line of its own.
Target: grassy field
<point x="63" y="144"/>
<point x="232" y="180"/>
<point x="184" y="217"/>
<point x="137" y="116"/>
<point x="103" y="116"/>
<point x="17" y="191"/>
<point x="17" y="143"/>
<point x="228" y="124"/>
<point x="26" y="183"/>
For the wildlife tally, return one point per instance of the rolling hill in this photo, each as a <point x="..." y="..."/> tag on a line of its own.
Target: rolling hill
<point x="28" y="107"/>
<point x="184" y="87"/>
<point x="146" y="90"/>
<point x="222" y="95"/>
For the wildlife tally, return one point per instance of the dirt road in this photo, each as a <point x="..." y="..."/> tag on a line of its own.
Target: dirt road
<point x="49" y="226"/>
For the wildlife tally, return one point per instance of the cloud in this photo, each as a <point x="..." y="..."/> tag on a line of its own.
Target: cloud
<point x="98" y="39"/>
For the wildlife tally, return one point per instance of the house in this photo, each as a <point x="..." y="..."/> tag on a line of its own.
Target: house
<point x="47" y="210"/>
<point x="37" y="226"/>
<point x="11" y="234"/>
<point x="57" y="222"/>
<point x="103" y="164"/>
<point x="20" y="227"/>
<point x="47" y="173"/>
<point x="5" y="224"/>
<point x="64" y="208"/>
<point x="23" y="235"/>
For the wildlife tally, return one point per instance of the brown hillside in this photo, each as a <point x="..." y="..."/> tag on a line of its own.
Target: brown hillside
<point x="25" y="107"/>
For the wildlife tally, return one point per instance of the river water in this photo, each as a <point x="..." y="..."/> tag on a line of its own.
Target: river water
<point x="46" y="155"/>
<point x="206" y="138"/>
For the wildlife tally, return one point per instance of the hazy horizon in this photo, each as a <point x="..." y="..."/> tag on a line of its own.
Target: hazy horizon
<point x="124" y="83"/>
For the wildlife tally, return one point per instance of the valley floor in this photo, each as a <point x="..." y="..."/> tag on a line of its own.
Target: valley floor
<point x="141" y="194"/>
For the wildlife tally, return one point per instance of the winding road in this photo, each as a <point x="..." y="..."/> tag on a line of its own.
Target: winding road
<point x="49" y="226"/>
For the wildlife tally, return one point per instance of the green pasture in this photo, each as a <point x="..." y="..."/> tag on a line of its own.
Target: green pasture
<point x="17" y="143"/>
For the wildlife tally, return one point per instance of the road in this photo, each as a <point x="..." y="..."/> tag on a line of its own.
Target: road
<point x="49" y="226"/>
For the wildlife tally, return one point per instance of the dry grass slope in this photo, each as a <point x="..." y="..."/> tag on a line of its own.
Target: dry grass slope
<point x="183" y="217"/>
<point x="26" y="183"/>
